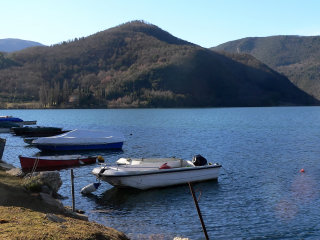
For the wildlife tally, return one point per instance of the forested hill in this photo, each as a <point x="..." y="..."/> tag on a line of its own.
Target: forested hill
<point x="296" y="57"/>
<point x="13" y="44"/>
<point x="139" y="65"/>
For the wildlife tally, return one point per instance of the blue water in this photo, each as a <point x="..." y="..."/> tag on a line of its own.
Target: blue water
<point x="260" y="193"/>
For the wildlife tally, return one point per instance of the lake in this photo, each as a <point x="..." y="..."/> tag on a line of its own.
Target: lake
<point x="261" y="193"/>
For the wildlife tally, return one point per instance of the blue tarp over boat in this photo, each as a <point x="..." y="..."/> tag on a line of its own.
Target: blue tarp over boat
<point x="81" y="140"/>
<point x="10" y="119"/>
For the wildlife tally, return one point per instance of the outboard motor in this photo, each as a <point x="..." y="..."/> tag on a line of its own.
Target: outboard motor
<point x="198" y="160"/>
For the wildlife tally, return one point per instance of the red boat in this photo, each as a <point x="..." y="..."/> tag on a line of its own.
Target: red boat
<point x="54" y="162"/>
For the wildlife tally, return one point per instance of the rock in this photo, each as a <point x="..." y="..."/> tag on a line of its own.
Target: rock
<point x="46" y="189"/>
<point x="2" y="145"/>
<point x="54" y="218"/>
<point x="59" y="196"/>
<point x="76" y="214"/>
<point x="51" y="201"/>
<point x="51" y="179"/>
<point x="17" y="172"/>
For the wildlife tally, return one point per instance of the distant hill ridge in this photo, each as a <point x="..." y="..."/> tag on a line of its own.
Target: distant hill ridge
<point x="297" y="57"/>
<point x="13" y="44"/>
<point x="140" y="65"/>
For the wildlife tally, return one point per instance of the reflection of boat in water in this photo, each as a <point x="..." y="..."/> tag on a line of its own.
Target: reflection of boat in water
<point x="146" y="173"/>
<point x="76" y="140"/>
<point x="129" y="197"/>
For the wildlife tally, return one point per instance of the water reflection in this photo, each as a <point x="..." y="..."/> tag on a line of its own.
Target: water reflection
<point x="133" y="198"/>
<point x="170" y="211"/>
<point x="261" y="193"/>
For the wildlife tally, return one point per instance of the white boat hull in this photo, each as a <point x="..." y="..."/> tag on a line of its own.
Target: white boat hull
<point x="157" y="178"/>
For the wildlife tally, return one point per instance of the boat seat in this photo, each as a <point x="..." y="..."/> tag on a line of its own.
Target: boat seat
<point x="151" y="162"/>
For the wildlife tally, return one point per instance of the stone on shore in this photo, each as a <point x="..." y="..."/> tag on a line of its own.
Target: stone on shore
<point x="50" y="179"/>
<point x="54" y="218"/>
<point x="16" y="172"/>
<point x="51" y="201"/>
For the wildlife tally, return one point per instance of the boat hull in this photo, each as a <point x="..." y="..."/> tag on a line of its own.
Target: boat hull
<point x="34" y="122"/>
<point x="53" y="147"/>
<point x="28" y="163"/>
<point x="4" y="130"/>
<point x="162" y="178"/>
<point x="37" y="131"/>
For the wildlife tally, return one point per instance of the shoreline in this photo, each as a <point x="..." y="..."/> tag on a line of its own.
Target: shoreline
<point x="44" y="218"/>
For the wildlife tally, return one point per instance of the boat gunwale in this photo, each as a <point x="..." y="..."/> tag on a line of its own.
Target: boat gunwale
<point x="55" y="158"/>
<point x="74" y="144"/>
<point x="159" y="171"/>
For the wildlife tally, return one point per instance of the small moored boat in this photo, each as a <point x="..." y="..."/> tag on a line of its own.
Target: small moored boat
<point x="16" y="120"/>
<point x="6" y="126"/>
<point x="10" y="119"/>
<point x="146" y="173"/>
<point x="80" y="140"/>
<point x="37" y="131"/>
<point x="53" y="162"/>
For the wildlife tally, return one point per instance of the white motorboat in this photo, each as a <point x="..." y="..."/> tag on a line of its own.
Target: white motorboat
<point x="146" y="173"/>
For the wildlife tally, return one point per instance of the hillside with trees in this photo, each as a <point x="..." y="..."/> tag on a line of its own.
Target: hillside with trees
<point x="139" y="65"/>
<point x="296" y="57"/>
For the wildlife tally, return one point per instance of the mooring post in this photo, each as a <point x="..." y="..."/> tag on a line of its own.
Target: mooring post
<point x="198" y="210"/>
<point x="2" y="144"/>
<point x="72" y="190"/>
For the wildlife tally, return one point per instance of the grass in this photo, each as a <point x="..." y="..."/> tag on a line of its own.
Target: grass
<point x="23" y="216"/>
<point x="22" y="223"/>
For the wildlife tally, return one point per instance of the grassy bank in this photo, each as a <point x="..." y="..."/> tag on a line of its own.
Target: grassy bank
<point x="23" y="215"/>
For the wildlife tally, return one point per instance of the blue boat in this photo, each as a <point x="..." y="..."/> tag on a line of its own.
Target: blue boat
<point x="80" y="140"/>
<point x="10" y="119"/>
<point x="16" y="120"/>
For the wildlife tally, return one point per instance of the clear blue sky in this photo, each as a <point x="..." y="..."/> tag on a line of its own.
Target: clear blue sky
<point x="203" y="22"/>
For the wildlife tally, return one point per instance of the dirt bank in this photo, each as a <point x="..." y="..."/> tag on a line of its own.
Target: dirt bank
<point x="23" y="215"/>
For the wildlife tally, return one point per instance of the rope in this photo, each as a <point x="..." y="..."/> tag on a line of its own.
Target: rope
<point x="34" y="166"/>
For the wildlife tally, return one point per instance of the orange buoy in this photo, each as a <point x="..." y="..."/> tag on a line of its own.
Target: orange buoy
<point x="302" y="170"/>
<point x="100" y="159"/>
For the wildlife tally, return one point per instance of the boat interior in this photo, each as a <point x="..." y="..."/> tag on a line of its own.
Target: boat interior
<point x="160" y="163"/>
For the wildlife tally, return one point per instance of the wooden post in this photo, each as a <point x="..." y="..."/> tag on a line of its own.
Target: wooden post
<point x="198" y="210"/>
<point x="2" y="144"/>
<point x="72" y="190"/>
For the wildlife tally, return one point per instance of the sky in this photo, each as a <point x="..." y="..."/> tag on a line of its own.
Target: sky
<point x="207" y="23"/>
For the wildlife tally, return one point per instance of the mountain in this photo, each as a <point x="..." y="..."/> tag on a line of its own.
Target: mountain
<point x="296" y="57"/>
<point x="13" y="44"/>
<point x="139" y="65"/>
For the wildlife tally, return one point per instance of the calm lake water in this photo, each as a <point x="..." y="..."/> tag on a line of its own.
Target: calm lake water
<point x="261" y="193"/>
